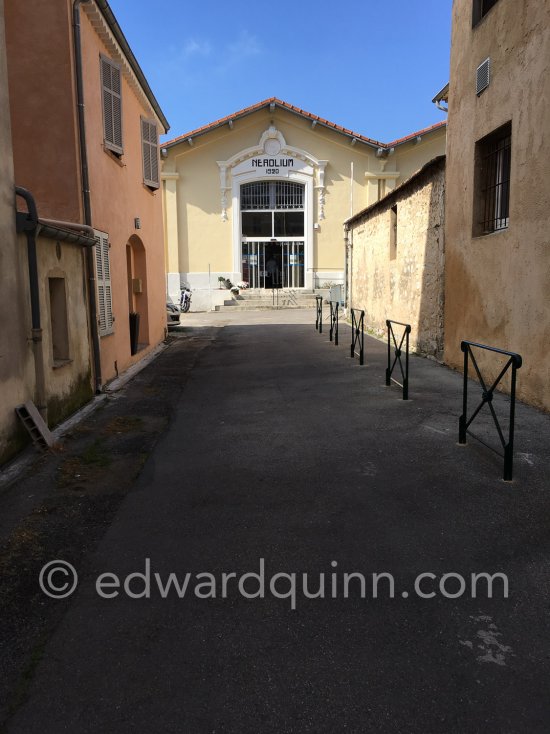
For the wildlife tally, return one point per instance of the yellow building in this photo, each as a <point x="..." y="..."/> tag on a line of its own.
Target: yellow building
<point x="261" y="196"/>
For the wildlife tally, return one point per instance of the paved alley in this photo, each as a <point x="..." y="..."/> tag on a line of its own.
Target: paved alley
<point x="282" y="448"/>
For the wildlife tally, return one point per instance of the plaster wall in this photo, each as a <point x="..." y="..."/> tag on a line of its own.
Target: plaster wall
<point x="43" y="110"/>
<point x="16" y="378"/>
<point x="118" y="196"/>
<point x="410" y="286"/>
<point x="497" y="285"/>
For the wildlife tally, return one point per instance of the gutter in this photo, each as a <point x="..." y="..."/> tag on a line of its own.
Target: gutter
<point x="29" y="223"/>
<point x="90" y="260"/>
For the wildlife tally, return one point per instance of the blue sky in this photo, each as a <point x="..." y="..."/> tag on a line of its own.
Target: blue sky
<point x="371" y="66"/>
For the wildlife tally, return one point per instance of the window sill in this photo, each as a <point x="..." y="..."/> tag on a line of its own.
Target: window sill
<point x="152" y="190"/>
<point x="59" y="363"/>
<point x="114" y="157"/>
<point x="490" y="234"/>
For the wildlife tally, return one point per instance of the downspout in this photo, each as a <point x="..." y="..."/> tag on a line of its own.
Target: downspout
<point x="349" y="253"/>
<point x="90" y="263"/>
<point x="30" y="228"/>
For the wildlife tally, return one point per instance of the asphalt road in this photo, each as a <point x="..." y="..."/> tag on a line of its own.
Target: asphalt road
<point x="284" y="449"/>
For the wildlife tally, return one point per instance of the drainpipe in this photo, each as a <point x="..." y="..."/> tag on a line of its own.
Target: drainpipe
<point x="90" y="264"/>
<point x="30" y="227"/>
<point x="348" y="265"/>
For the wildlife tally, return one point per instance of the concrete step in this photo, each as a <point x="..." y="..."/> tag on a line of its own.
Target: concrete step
<point x="263" y="307"/>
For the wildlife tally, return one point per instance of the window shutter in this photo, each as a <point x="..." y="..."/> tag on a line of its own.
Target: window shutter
<point x="112" y="105"/>
<point x="103" y="276"/>
<point x="149" y="144"/>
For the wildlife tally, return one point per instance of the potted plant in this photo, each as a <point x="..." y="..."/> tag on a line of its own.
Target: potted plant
<point x="234" y="290"/>
<point x="221" y="281"/>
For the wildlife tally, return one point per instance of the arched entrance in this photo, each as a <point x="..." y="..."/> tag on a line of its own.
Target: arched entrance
<point x="272" y="234"/>
<point x="136" y="268"/>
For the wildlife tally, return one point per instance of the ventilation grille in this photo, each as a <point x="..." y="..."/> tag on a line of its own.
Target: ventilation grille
<point x="483" y="76"/>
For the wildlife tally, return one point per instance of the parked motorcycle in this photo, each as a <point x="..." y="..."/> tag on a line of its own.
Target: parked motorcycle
<point x="185" y="299"/>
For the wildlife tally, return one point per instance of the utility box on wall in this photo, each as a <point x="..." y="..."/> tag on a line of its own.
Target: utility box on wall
<point x="137" y="285"/>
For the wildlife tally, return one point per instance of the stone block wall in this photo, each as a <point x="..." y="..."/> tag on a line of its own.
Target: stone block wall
<point x="404" y="283"/>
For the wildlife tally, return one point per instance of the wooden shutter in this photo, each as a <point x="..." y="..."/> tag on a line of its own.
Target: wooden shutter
<point x="111" y="84"/>
<point x="149" y="144"/>
<point x="103" y="278"/>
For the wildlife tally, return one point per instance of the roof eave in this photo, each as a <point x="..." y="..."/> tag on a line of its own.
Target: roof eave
<point x="112" y="22"/>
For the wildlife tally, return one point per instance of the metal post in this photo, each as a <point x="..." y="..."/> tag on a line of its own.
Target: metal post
<point x="388" y="368"/>
<point x="509" y="448"/>
<point x="462" y="419"/>
<point x="406" y="378"/>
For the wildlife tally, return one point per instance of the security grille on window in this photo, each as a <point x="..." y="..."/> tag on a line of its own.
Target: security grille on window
<point x="272" y="195"/>
<point x="149" y="143"/>
<point x="103" y="278"/>
<point x="112" y="105"/>
<point x="493" y="180"/>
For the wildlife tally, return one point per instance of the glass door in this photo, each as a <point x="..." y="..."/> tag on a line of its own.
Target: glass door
<point x="293" y="264"/>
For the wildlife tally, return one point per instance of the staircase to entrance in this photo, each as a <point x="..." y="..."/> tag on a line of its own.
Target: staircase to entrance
<point x="269" y="299"/>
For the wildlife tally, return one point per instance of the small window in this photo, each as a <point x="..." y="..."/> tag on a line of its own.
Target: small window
<point x="492" y="181"/>
<point x="103" y="276"/>
<point x="149" y="144"/>
<point x="58" y="320"/>
<point x="480" y="9"/>
<point x="393" y="232"/>
<point x="112" y="104"/>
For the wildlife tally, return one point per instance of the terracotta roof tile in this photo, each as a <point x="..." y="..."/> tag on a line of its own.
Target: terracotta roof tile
<point x="292" y="108"/>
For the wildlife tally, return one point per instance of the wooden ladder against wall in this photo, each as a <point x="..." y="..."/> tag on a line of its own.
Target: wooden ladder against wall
<point x="41" y="435"/>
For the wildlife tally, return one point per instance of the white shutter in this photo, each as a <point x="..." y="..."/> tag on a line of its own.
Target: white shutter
<point x="103" y="277"/>
<point x="149" y="144"/>
<point x="112" y="104"/>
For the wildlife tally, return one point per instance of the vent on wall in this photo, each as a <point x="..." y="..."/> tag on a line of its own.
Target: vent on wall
<point x="483" y="76"/>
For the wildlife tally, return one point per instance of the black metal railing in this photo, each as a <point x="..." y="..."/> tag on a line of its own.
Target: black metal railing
<point x="334" y="321"/>
<point x="319" y="317"/>
<point x="464" y="422"/>
<point x="398" y="353"/>
<point x="357" y="334"/>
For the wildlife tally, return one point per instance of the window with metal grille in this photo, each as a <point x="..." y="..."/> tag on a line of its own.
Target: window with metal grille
<point x="272" y="195"/>
<point x="149" y="145"/>
<point x="103" y="278"/>
<point x="492" y="184"/>
<point x="480" y="9"/>
<point x="112" y="104"/>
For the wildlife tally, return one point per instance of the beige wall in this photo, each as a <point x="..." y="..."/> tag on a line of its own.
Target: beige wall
<point x="196" y="236"/>
<point x="408" y="287"/>
<point x="497" y="285"/>
<point x="15" y="366"/>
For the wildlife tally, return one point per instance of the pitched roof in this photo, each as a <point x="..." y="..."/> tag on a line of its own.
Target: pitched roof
<point x="302" y="113"/>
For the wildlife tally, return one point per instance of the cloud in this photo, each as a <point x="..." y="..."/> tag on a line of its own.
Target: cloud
<point x="192" y="47"/>
<point x="246" y="45"/>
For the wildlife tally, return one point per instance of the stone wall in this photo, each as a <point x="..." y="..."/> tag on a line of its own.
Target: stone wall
<point x="406" y="284"/>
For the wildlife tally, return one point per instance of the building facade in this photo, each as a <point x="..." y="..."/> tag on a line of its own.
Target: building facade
<point x="86" y="146"/>
<point x="498" y="187"/>
<point x="261" y="196"/>
<point x="44" y="340"/>
<point x="396" y="259"/>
